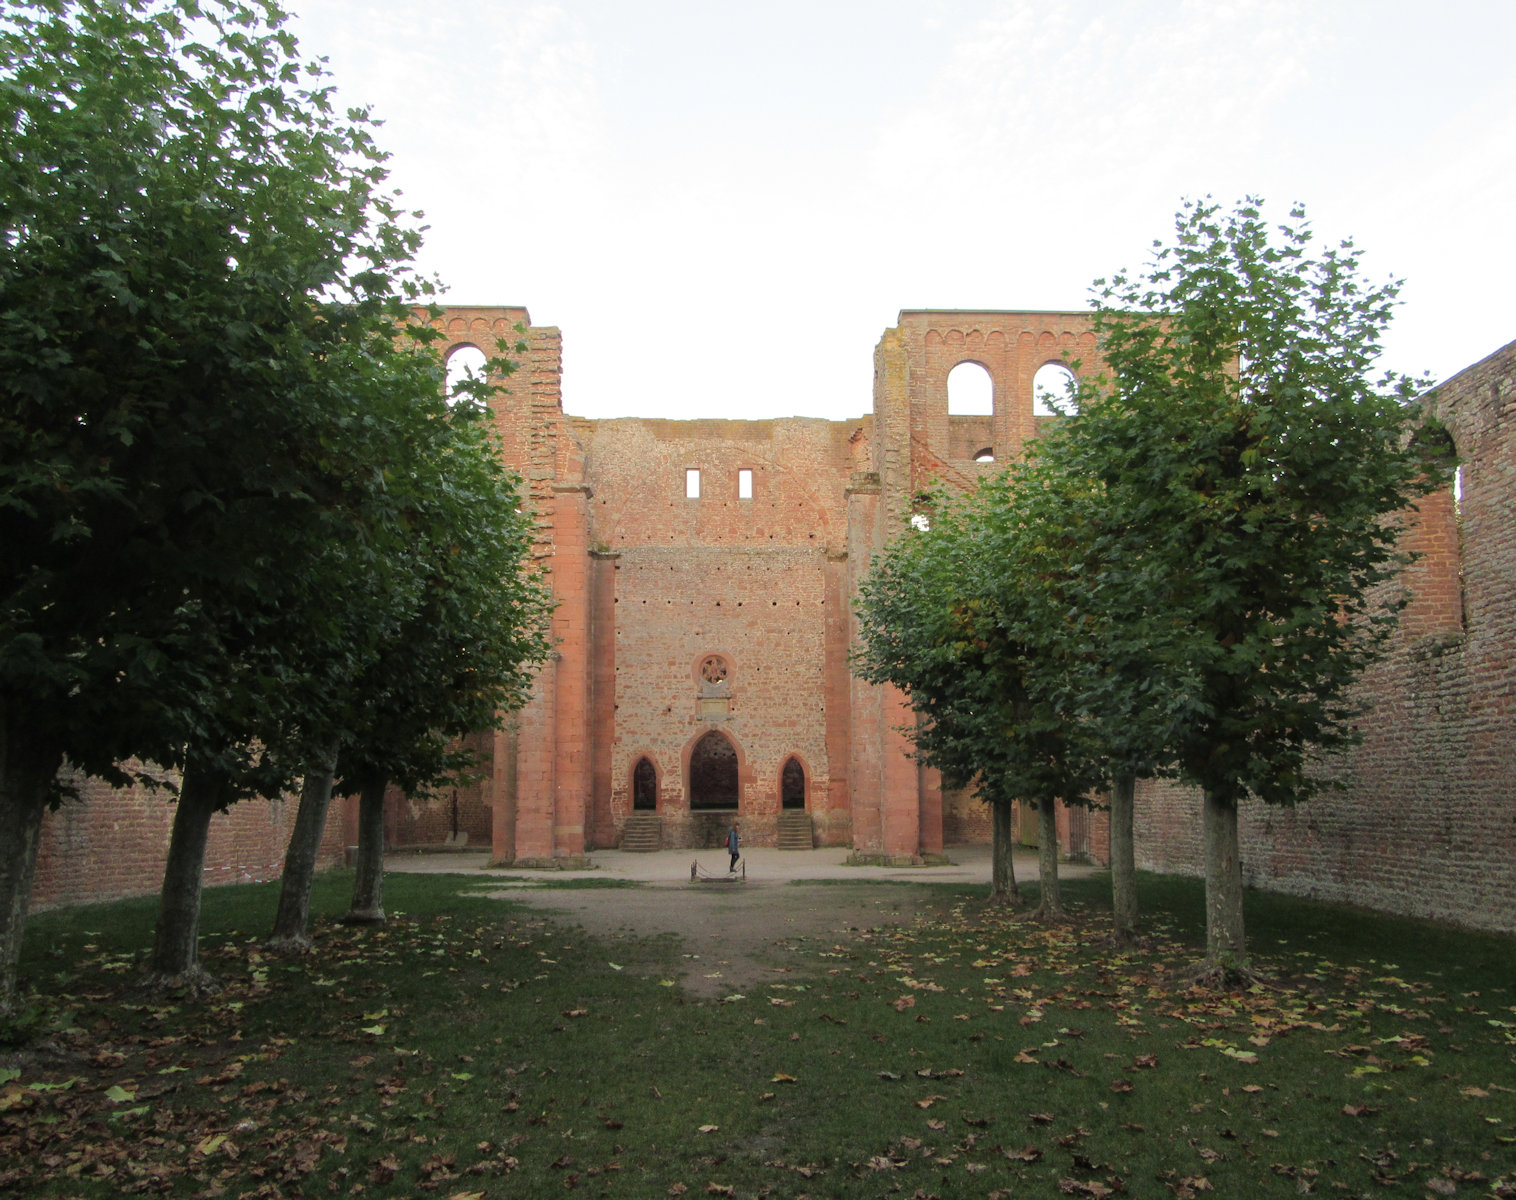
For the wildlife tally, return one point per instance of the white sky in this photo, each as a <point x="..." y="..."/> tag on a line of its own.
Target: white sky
<point x="723" y="205"/>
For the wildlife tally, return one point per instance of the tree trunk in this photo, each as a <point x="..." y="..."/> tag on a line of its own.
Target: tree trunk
<point x="1003" y="888"/>
<point x="292" y="921"/>
<point x="175" y="960"/>
<point x="1051" y="905"/>
<point x="1225" y="943"/>
<point x="1123" y="859"/>
<point x="27" y="767"/>
<point x="368" y="887"/>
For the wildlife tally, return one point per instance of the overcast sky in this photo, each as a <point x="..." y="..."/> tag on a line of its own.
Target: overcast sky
<point x="723" y="205"/>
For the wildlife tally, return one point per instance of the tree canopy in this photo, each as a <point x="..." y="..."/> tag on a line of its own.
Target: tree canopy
<point x="1194" y="564"/>
<point x="1248" y="471"/>
<point x="217" y="398"/>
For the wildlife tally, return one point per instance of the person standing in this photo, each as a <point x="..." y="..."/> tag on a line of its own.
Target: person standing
<point x="733" y="840"/>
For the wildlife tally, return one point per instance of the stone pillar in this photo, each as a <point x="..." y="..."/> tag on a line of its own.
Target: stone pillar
<point x="571" y="765"/>
<point x="601" y="832"/>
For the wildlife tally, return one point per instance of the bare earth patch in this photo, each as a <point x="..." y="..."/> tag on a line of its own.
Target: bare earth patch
<point x="732" y="936"/>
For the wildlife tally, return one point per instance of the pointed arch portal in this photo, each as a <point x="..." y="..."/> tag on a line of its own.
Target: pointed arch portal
<point x="713" y="773"/>
<point x="792" y="785"/>
<point x="645" y="787"/>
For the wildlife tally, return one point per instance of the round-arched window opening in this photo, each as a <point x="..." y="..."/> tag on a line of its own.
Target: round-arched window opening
<point x="985" y="455"/>
<point x="464" y="364"/>
<point x="1053" y="390"/>
<point x="713" y="773"/>
<point x="792" y="784"/>
<point x="644" y="787"/>
<point x="971" y="391"/>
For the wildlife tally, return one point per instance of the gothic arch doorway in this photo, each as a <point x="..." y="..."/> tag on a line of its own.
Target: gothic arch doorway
<point x="644" y="787"/>
<point x="792" y="785"/>
<point x="713" y="773"/>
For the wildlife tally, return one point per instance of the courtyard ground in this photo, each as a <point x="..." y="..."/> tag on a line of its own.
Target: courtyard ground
<point x="851" y="1033"/>
<point x="733" y="929"/>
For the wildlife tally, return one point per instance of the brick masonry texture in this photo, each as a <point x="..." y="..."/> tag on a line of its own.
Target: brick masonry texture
<point x="653" y="584"/>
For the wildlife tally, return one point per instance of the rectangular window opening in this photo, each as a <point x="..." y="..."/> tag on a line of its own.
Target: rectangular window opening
<point x="692" y="483"/>
<point x="744" y="484"/>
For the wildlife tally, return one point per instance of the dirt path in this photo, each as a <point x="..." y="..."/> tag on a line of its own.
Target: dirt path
<point x="730" y="936"/>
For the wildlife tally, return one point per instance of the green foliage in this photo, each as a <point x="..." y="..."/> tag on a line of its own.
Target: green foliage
<point x="228" y="477"/>
<point x="202" y="282"/>
<point x="1241" y="478"/>
<point x="971" y="643"/>
<point x="466" y="651"/>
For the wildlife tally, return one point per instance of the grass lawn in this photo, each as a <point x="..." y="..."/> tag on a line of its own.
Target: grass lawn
<point x="473" y="1048"/>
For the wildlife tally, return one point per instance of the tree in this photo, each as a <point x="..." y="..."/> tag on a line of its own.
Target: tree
<point x="199" y="280"/>
<point x="1245" y="478"/>
<point x="463" y="657"/>
<point x="954" y="615"/>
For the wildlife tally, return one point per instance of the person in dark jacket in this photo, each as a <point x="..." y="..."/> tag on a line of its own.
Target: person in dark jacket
<point x="733" y="840"/>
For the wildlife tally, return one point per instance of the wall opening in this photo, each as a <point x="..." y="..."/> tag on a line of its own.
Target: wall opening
<point x="1053" y="390"/>
<point x="985" y="455"/>
<point x="464" y="364"/>
<point x="644" y="787"/>
<point x="745" y="484"/>
<point x="792" y="784"/>
<point x="713" y="773"/>
<point x="692" y="483"/>
<point x="971" y="391"/>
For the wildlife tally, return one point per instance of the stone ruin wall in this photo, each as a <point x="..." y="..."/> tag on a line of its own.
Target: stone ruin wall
<point x="650" y="582"/>
<point x="752" y="580"/>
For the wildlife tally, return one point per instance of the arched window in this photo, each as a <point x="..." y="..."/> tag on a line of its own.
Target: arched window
<point x="464" y="363"/>
<point x="792" y="784"/>
<point x="1052" y="390"/>
<point x="644" y="787"/>
<point x="971" y="391"/>
<point x="985" y="455"/>
<point x="713" y="773"/>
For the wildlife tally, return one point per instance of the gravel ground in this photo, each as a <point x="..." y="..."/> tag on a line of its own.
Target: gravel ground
<point x="731" y="932"/>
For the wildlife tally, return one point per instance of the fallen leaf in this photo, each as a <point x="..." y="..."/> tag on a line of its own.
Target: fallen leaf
<point x="709" y="1128"/>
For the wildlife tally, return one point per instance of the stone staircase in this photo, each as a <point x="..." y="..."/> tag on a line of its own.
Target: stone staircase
<point x="642" y="833"/>
<point x="794" y="829"/>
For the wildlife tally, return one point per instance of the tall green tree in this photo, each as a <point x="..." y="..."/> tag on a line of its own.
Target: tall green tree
<point x="955" y="615"/>
<point x="200" y="277"/>
<point x="462" y="658"/>
<point x="1245" y="470"/>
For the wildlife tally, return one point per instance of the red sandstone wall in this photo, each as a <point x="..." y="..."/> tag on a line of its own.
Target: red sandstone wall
<point x="1427" y="825"/>
<point x="429" y="821"/>
<point x="111" y="843"/>
<point x="748" y="579"/>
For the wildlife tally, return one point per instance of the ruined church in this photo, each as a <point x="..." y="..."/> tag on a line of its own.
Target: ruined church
<point x="704" y="573"/>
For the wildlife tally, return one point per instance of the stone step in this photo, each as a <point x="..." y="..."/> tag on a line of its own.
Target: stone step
<point x="642" y="833"/>
<point x="794" y="830"/>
